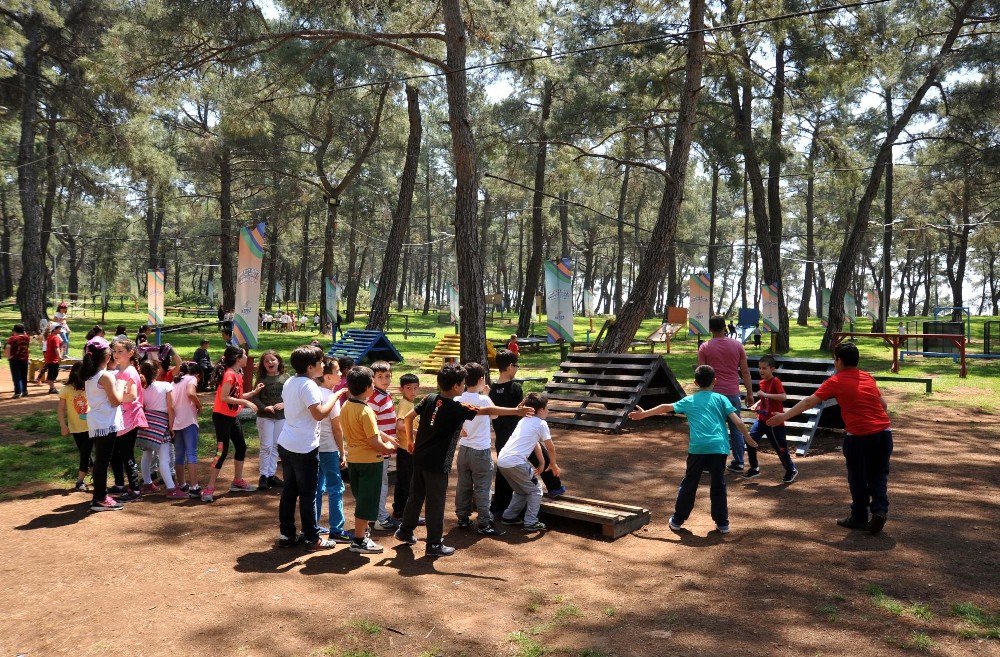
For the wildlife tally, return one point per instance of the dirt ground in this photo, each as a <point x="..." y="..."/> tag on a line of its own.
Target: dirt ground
<point x="193" y="579"/>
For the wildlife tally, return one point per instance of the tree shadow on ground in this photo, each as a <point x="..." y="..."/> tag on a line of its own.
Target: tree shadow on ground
<point x="63" y="516"/>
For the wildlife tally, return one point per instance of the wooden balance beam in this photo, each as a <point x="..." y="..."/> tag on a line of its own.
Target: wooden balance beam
<point x="614" y="519"/>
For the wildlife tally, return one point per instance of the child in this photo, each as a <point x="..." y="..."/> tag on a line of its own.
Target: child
<point x="134" y="417"/>
<point x="332" y="456"/>
<point x="52" y="355"/>
<point x="17" y="351"/>
<point x="204" y="360"/>
<point x="756" y="337"/>
<point x="229" y="396"/>
<point x="365" y="451"/>
<point x="868" y="443"/>
<point x="270" y="416"/>
<point x="345" y="363"/>
<point x="105" y="395"/>
<point x="512" y="461"/>
<point x="475" y="458"/>
<point x="298" y="446"/>
<point x="507" y="392"/>
<point x="73" y="420"/>
<point x="385" y="414"/>
<point x="409" y="385"/>
<point x="186" y="404"/>
<point x="513" y="347"/>
<point x="707" y="413"/>
<point x="441" y="420"/>
<point x="155" y="437"/>
<point x="60" y="319"/>
<point x="770" y="402"/>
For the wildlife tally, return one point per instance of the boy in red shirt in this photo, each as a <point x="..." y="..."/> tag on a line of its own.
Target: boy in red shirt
<point x="53" y="349"/>
<point x="868" y="443"/>
<point x="512" y="345"/>
<point x="17" y="351"/>
<point x="771" y="398"/>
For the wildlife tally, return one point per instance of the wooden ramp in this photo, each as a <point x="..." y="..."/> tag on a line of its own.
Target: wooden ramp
<point x="614" y="519"/>
<point x="801" y="377"/>
<point x="597" y="391"/>
<point x="450" y="349"/>
<point x="362" y="345"/>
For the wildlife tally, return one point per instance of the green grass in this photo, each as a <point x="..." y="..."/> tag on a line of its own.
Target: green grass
<point x="592" y="652"/>
<point x="920" y="641"/>
<point x="830" y="611"/>
<point x="526" y="645"/>
<point x="977" y="623"/>
<point x="897" y="608"/>
<point x="368" y="627"/>
<point x="566" y="611"/>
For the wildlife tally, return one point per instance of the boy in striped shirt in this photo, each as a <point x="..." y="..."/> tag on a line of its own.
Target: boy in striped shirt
<point x="385" y="414"/>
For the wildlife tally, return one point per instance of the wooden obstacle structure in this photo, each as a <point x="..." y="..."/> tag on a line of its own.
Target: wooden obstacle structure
<point x="363" y="345"/>
<point x="449" y="349"/>
<point x="677" y="318"/>
<point x="614" y="519"/>
<point x="801" y="377"/>
<point x="597" y="391"/>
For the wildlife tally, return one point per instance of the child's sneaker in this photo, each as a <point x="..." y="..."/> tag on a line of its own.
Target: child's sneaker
<point x="241" y="486"/>
<point x="340" y="536"/>
<point x="513" y="521"/>
<point x="176" y="494"/>
<point x="207" y="494"/>
<point x="876" y="524"/>
<point x="194" y="492"/>
<point x="536" y="526"/>
<point x="116" y="490"/>
<point x="263" y="483"/>
<point x="319" y="544"/>
<point x="409" y="539"/>
<point x="365" y="545"/>
<point x="286" y="542"/>
<point x="723" y="529"/>
<point x="673" y="524"/>
<point x="752" y="473"/>
<point x="150" y="488"/>
<point x="439" y="550"/>
<point x="185" y="487"/>
<point x="464" y="523"/>
<point x="735" y="467"/>
<point x="790" y="477"/>
<point x="274" y="482"/>
<point x="387" y="525"/>
<point x="130" y="496"/>
<point x="556" y="492"/>
<point x="81" y="487"/>
<point x="107" y="504"/>
<point x="489" y="529"/>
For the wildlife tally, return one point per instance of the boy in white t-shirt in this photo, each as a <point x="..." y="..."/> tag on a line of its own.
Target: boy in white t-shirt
<point x="475" y="458"/>
<point x="529" y="436"/>
<point x="298" y="446"/>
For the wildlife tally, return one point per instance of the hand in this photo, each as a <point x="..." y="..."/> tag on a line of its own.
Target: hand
<point x="555" y="469"/>
<point x="776" y="419"/>
<point x="343" y="462"/>
<point x="409" y="448"/>
<point x="539" y="470"/>
<point x="638" y="414"/>
<point x="269" y="410"/>
<point x="260" y="386"/>
<point x="64" y="431"/>
<point x="465" y="434"/>
<point x="749" y="399"/>
<point x="525" y="411"/>
<point x="749" y="440"/>
<point x="755" y="406"/>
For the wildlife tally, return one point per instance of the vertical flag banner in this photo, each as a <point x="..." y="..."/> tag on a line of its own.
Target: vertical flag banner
<point x="559" y="300"/>
<point x="211" y="291"/>
<point x="279" y="292"/>
<point x="873" y="305"/>
<point x="850" y="307"/>
<point x="770" y="317"/>
<point x="824" y="312"/>
<point x="453" y="302"/>
<point x="248" y="285"/>
<point x="372" y="289"/>
<point x="588" y="303"/>
<point x="332" y="298"/>
<point x="701" y="304"/>
<point x="155" y="279"/>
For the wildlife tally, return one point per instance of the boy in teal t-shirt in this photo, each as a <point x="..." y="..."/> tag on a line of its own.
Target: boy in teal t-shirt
<point x="707" y="413"/>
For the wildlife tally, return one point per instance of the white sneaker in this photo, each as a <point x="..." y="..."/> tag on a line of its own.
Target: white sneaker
<point x="387" y="525"/>
<point x="365" y="546"/>
<point x="672" y="524"/>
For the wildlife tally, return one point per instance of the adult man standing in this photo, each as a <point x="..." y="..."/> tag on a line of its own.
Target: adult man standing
<point x="729" y="360"/>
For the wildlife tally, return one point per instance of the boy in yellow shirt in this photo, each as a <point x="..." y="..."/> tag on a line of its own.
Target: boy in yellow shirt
<point x="365" y="450"/>
<point x="409" y="385"/>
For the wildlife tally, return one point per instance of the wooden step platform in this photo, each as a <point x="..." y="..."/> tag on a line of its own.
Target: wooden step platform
<point x="450" y="349"/>
<point x="615" y="519"/>
<point x="597" y="391"/>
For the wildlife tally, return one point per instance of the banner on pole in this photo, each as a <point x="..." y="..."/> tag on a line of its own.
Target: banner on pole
<point x="873" y="305"/>
<point x="824" y="310"/>
<point x="332" y="298"/>
<point x="279" y="292"/>
<point x="211" y="291"/>
<point x="559" y="300"/>
<point x="248" y="285"/>
<point x="850" y="307"/>
<point x="588" y="303"/>
<point x="155" y="279"/>
<point x="701" y="304"/>
<point x="372" y="290"/>
<point x="770" y="316"/>
<point x="453" y="302"/>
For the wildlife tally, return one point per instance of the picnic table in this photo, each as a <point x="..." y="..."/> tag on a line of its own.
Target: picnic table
<point x="525" y="344"/>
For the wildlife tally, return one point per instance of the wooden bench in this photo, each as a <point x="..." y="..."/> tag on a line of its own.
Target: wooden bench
<point x="36" y="364"/>
<point x="614" y="519"/>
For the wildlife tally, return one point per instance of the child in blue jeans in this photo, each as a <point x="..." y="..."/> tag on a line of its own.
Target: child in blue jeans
<point x="707" y="413"/>
<point x="332" y="458"/>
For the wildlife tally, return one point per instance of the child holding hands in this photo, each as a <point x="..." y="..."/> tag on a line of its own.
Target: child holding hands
<point x="707" y="413"/>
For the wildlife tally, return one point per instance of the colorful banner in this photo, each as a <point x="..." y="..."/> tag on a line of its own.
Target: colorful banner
<point x="770" y="316"/>
<point x="850" y="307"/>
<point x="588" y="303"/>
<point x="701" y="304"/>
<point x="332" y="298"/>
<point x="453" y="302"/>
<point x="211" y="292"/>
<point x="873" y="305"/>
<point x="279" y="292"/>
<point x="559" y="300"/>
<point x="155" y="279"/>
<point x="824" y="311"/>
<point x="248" y="285"/>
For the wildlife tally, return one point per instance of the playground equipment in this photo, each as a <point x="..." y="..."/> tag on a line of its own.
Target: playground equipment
<point x="939" y="310"/>
<point x="991" y="338"/>
<point x="406" y="331"/>
<point x="747" y="321"/>
<point x="190" y="326"/>
<point x="898" y="340"/>
<point x="677" y="318"/>
<point x="801" y="377"/>
<point x="449" y="349"/>
<point x="597" y="391"/>
<point x="614" y="519"/>
<point x="360" y="345"/>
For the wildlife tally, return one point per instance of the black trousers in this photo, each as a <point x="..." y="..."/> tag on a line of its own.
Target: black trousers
<point x="867" y="459"/>
<point x="300" y="472"/>
<point x="404" y="473"/>
<point x="696" y="464"/>
<point x="123" y="460"/>
<point x="84" y="445"/>
<point x="103" y="446"/>
<point x="430" y="487"/>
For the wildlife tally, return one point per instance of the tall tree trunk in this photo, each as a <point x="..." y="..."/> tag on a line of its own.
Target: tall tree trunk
<point x="353" y="272"/>
<point x="228" y="233"/>
<point x="154" y="226"/>
<point x="31" y="290"/>
<point x="533" y="272"/>
<point x="564" y="223"/>
<point x="401" y="219"/>
<point x="622" y="332"/>
<point x="430" y="245"/>
<point x="746" y="242"/>
<point x="620" y="244"/>
<point x="713" y="226"/>
<point x="859" y="225"/>
<point x="303" y="296"/>
<point x="957" y="255"/>
<point x="273" y="255"/>
<point x="807" y="284"/>
<point x="883" y="319"/>
<point x="6" y="274"/>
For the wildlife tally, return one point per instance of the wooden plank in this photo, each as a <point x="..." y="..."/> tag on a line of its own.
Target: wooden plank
<point x="611" y="505"/>
<point x="635" y="358"/>
<point x="582" y="410"/>
<point x="594" y="400"/>
<point x="587" y="388"/>
<point x="570" y="422"/>
<point x="598" y="376"/>
<point x="569" y="364"/>
<point x="614" y="520"/>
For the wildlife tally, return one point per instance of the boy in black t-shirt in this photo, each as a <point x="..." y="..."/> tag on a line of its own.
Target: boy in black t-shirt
<point x="441" y="420"/>
<point x="506" y="392"/>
